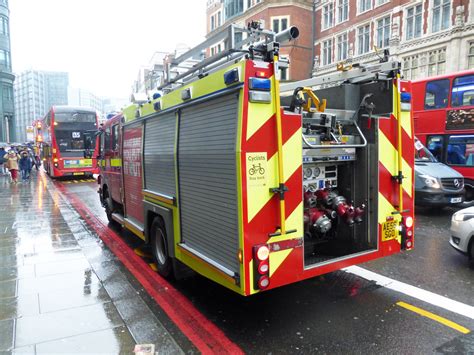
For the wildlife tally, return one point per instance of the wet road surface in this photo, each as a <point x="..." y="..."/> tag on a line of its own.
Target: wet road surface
<point x="63" y="271"/>
<point x="341" y="312"/>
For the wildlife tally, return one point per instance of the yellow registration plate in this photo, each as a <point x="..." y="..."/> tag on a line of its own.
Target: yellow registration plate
<point x="389" y="230"/>
<point x="78" y="173"/>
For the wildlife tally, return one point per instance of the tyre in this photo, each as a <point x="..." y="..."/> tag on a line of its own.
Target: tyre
<point x="108" y="205"/>
<point x="159" y="246"/>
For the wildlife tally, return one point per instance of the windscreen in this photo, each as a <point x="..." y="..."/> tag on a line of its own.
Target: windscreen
<point x="422" y="154"/>
<point x="74" y="132"/>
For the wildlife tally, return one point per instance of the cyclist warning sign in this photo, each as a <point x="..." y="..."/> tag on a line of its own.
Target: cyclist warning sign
<point x="256" y="169"/>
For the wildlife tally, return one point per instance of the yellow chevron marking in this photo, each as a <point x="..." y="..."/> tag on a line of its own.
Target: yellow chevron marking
<point x="258" y="196"/>
<point x="153" y="266"/>
<point x="294" y="221"/>
<point x="292" y="153"/>
<point x="406" y="122"/>
<point x="277" y="258"/>
<point x="258" y="114"/>
<point x="385" y="210"/>
<point x="388" y="157"/>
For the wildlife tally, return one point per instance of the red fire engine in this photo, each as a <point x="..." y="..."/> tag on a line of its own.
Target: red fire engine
<point x="254" y="184"/>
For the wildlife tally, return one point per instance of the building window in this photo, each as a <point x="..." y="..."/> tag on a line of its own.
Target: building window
<point x="383" y="32"/>
<point x="470" y="59"/>
<point x="381" y="2"/>
<point x="411" y="67"/>
<point x="441" y="14"/>
<point x="328" y="15"/>
<point x="5" y="59"/>
<point x="233" y="8"/>
<point x="3" y="25"/>
<point x="279" y="24"/>
<point x="7" y="93"/>
<point x="413" y="20"/>
<point x="342" y="10"/>
<point x="327" y="52"/>
<point x="213" y="25"/>
<point x="363" y="39"/>
<point x="219" y="19"/>
<point x="364" y="5"/>
<point x="342" y="48"/>
<point x="437" y="62"/>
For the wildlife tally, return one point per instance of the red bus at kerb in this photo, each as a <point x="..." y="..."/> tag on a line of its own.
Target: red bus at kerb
<point x="443" y="112"/>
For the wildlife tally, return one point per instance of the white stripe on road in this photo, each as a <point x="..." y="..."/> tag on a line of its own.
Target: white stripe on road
<point x="415" y="292"/>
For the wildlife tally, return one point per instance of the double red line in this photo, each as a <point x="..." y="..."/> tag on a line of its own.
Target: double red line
<point x="205" y="335"/>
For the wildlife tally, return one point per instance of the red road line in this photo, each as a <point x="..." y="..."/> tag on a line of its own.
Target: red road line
<point x="204" y="334"/>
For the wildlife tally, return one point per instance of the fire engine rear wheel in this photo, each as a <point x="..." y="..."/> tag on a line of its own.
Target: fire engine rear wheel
<point x="159" y="246"/>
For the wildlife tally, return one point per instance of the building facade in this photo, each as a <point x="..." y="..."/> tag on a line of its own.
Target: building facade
<point x="429" y="37"/>
<point x="275" y="15"/>
<point x="35" y="93"/>
<point x="85" y="98"/>
<point x="7" y="109"/>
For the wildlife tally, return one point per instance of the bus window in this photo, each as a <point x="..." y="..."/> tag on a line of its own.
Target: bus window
<point x="461" y="150"/>
<point x="436" y="95"/>
<point x="435" y="146"/>
<point x="463" y="91"/>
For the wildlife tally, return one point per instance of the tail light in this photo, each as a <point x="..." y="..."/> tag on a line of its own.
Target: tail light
<point x="407" y="233"/>
<point x="261" y="256"/>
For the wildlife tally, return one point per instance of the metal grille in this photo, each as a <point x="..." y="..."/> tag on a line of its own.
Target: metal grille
<point x="207" y="179"/>
<point x="450" y="183"/>
<point x="159" y="154"/>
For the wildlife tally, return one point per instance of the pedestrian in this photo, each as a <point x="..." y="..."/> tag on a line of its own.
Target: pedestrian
<point x="3" y="170"/>
<point x="25" y="165"/>
<point x="12" y="164"/>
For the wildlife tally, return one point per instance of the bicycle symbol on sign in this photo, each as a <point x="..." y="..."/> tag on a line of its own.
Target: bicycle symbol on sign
<point x="256" y="169"/>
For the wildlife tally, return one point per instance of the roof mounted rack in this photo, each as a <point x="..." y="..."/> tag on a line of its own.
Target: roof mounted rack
<point x="258" y="43"/>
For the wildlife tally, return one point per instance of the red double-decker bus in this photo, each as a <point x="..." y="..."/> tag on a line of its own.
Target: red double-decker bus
<point x="443" y="111"/>
<point x="68" y="141"/>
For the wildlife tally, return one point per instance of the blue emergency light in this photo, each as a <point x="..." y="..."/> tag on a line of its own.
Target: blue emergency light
<point x="261" y="84"/>
<point x="405" y="97"/>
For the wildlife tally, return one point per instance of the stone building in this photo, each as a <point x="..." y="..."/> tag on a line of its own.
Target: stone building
<point x="429" y="37"/>
<point x="7" y="109"/>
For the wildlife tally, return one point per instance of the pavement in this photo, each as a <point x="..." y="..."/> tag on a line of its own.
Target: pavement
<point x="61" y="289"/>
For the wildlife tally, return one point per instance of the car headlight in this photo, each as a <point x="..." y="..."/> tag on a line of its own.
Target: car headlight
<point x="430" y="181"/>
<point x="461" y="217"/>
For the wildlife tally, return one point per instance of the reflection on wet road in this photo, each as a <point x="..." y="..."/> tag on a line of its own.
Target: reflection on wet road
<point x="55" y="268"/>
<point x="340" y="312"/>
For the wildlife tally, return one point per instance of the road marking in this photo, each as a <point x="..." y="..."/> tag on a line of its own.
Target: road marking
<point x="434" y="317"/>
<point x="415" y="292"/>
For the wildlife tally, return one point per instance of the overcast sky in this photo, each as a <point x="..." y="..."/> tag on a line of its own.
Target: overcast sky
<point x="101" y="43"/>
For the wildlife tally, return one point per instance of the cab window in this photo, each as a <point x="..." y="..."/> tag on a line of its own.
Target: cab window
<point x="460" y="150"/>
<point x="436" y="95"/>
<point x="115" y="137"/>
<point x="107" y="139"/>
<point x="463" y="91"/>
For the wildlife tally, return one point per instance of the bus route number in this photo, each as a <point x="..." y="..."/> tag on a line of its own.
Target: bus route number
<point x="76" y="134"/>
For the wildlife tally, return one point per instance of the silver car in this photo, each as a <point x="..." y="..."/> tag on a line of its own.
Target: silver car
<point x="462" y="232"/>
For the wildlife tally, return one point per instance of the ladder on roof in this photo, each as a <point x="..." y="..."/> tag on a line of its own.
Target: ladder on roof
<point x="258" y="42"/>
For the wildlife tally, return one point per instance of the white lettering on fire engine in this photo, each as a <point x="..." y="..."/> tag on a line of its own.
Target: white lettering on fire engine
<point x="256" y="169"/>
<point x="131" y="156"/>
